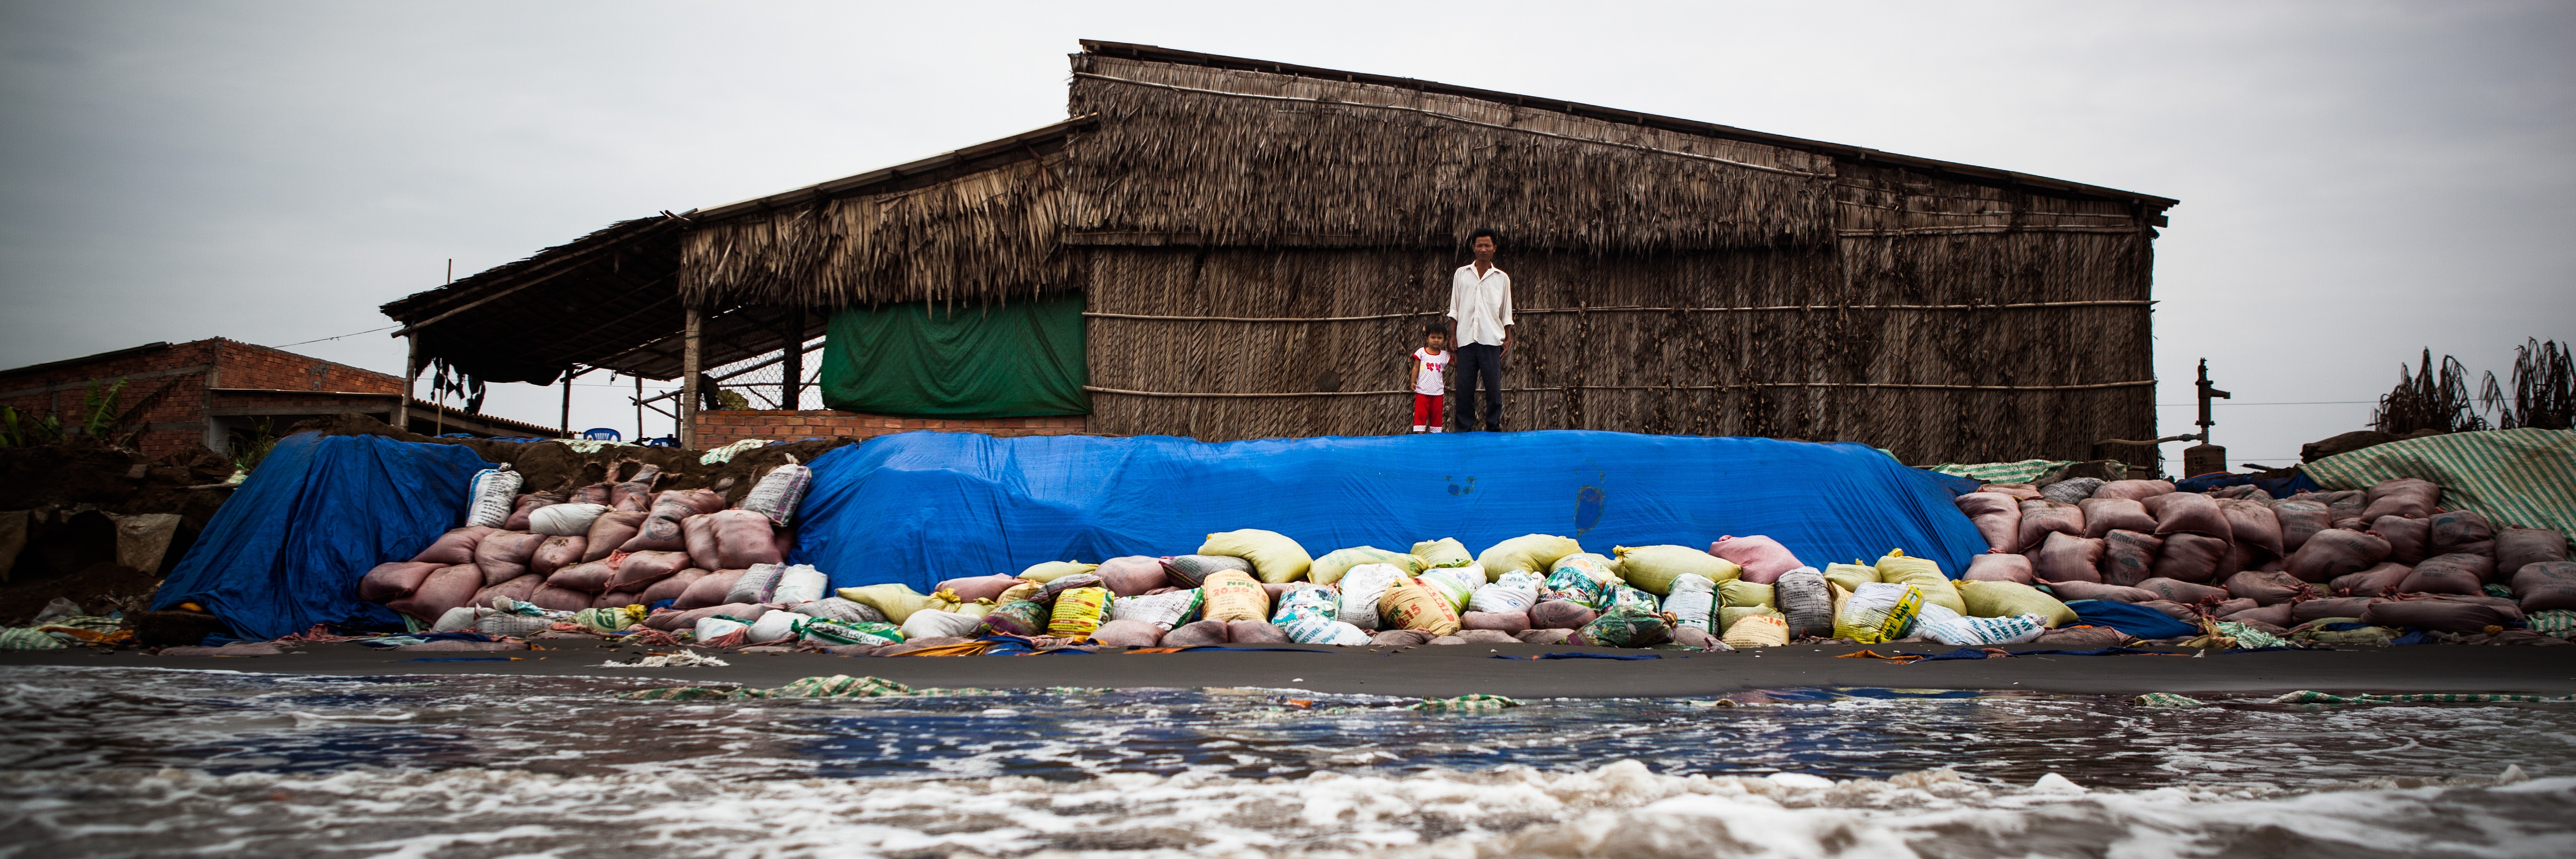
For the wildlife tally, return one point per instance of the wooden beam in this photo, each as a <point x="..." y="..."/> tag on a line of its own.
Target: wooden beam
<point x="689" y="353"/>
<point x="411" y="378"/>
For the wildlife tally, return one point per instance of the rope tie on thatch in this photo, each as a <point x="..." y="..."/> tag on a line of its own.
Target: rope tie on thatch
<point x="1458" y="119"/>
<point x="1563" y="388"/>
<point x="1537" y="310"/>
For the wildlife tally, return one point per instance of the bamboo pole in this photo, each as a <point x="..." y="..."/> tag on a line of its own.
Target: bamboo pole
<point x="691" y="324"/>
<point x="411" y="380"/>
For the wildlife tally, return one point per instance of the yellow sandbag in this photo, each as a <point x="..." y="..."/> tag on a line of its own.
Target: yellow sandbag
<point x="1899" y="568"/>
<point x="1653" y="568"/>
<point x="1233" y="595"/>
<point x="1078" y="612"/>
<point x="1758" y="631"/>
<point x="1329" y="568"/>
<point x="1443" y="552"/>
<point x="1053" y="570"/>
<point x="1878" y="612"/>
<point x="897" y="602"/>
<point x="1411" y="604"/>
<point x="2006" y="599"/>
<point x="1840" y="594"/>
<point x="1737" y="593"/>
<point x="1850" y="576"/>
<point x="1726" y="617"/>
<point x="1529" y="553"/>
<point x="1018" y="592"/>
<point x="1278" y="559"/>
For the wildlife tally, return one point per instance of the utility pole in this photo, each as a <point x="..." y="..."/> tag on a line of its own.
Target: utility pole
<point x="2204" y="458"/>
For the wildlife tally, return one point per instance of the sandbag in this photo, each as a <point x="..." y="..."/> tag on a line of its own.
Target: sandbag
<point x="1757" y="631"/>
<point x="1308" y="618"/>
<point x="1259" y="632"/>
<point x="1504" y="621"/>
<point x="1997" y="517"/>
<point x="1361" y="586"/>
<point x="934" y="623"/>
<point x="520" y="589"/>
<point x="799" y="584"/>
<point x="611" y="530"/>
<point x="634" y="494"/>
<point x="2105" y="515"/>
<point x="1623" y="627"/>
<point x="1132" y="575"/>
<point x="2172" y="609"/>
<point x="1535" y="553"/>
<point x="2042" y="518"/>
<point x="1514" y="594"/>
<point x="1544" y="636"/>
<point x="2225" y="607"/>
<point x="616" y="599"/>
<point x="2405" y="496"/>
<point x="2380" y="580"/>
<point x="2074" y="490"/>
<point x="1334" y="564"/>
<point x="1806" y="602"/>
<point x="1899" y="568"/>
<point x="974" y="588"/>
<point x="527" y="504"/>
<point x="2188" y="513"/>
<point x="775" y="496"/>
<point x="1880" y="611"/>
<point x="642" y="568"/>
<point x="504" y="555"/>
<point x="1583" y="577"/>
<point x="1078" y="612"/>
<point x="1456" y="584"/>
<point x="1048" y="572"/>
<point x="2545" y="585"/>
<point x="662" y="529"/>
<point x="2452" y="529"/>
<point x="1443" y="552"/>
<point x="1274" y="557"/>
<point x="1234" y="596"/>
<point x="594" y="577"/>
<point x="1653" y="568"/>
<point x="2129" y="557"/>
<point x="2320" y="609"/>
<point x="1164" y="610"/>
<point x="1943" y="625"/>
<point x="2187" y="593"/>
<point x="454" y="547"/>
<point x="2410" y="541"/>
<point x="831" y="633"/>
<point x="596" y="493"/>
<point x="1852" y="575"/>
<point x="489" y="497"/>
<point x="895" y="601"/>
<point x="555" y="553"/>
<point x="2065" y="558"/>
<point x="674" y="621"/>
<point x="1203" y="633"/>
<point x="1742" y="594"/>
<point x="2450" y="574"/>
<point x="565" y="520"/>
<point x="2265" y="588"/>
<point x="2517" y="548"/>
<point x="1763" y="559"/>
<point x="775" y="626"/>
<point x="1408" y="603"/>
<point x="1560" y="614"/>
<point x="2191" y="558"/>
<point x="1991" y="567"/>
<point x="2440" y="614"/>
<point x="2014" y="491"/>
<point x="709" y="629"/>
<point x="2336" y="552"/>
<point x="1189" y="570"/>
<point x="2252" y="524"/>
<point x="1691" y="599"/>
<point x="2081" y="638"/>
<point x="670" y="587"/>
<point x="2094" y="591"/>
<point x="2009" y="599"/>
<point x="398" y="579"/>
<point x="708" y="590"/>
<point x="2140" y="490"/>
<point x="2300" y="519"/>
<point x="552" y="598"/>
<point x="1023" y="618"/>
<point x="1127" y="633"/>
<point x="732" y="539"/>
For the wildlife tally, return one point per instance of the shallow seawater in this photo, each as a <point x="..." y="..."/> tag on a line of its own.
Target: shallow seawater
<point x="158" y="762"/>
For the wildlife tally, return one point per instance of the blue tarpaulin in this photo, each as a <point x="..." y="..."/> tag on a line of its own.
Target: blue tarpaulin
<point x="917" y="508"/>
<point x="2136" y="620"/>
<point x="287" y="550"/>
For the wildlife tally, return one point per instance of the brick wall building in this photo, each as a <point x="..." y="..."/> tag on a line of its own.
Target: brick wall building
<point x="205" y="392"/>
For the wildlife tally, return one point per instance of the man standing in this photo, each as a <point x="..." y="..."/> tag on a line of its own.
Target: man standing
<point x="1480" y="307"/>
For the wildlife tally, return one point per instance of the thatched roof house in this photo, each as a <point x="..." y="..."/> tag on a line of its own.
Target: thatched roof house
<point x="1251" y="246"/>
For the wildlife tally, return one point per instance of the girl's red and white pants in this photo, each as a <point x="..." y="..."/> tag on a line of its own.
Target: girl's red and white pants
<point x="1426" y="412"/>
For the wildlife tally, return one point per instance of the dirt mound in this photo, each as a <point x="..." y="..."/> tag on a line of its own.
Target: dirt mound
<point x="99" y="588"/>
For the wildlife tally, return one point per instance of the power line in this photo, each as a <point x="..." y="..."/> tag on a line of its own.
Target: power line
<point x="350" y="334"/>
<point x="2299" y="403"/>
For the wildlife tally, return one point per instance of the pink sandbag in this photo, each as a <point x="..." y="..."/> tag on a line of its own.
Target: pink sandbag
<point x="2067" y="558"/>
<point x="454" y="547"/>
<point x="2098" y="591"/>
<point x="2441" y="614"/>
<point x="593" y="577"/>
<point x="2252" y="523"/>
<point x="2042" y="518"/>
<point x="449" y="587"/>
<point x="2225" y="607"/>
<point x="972" y="588"/>
<point x="1560" y="614"/>
<point x="2190" y="558"/>
<point x="2084" y="637"/>
<point x="2336" y="552"/>
<point x="526" y="505"/>
<point x="2404" y="496"/>
<point x="2320" y="609"/>
<point x="504" y="555"/>
<point x="744" y="538"/>
<point x="2105" y="515"/>
<point x="2015" y="491"/>
<point x="1544" y="636"/>
<point x="1272" y="591"/>
<point x="2137" y="490"/>
<point x="2242" y="557"/>
<point x="520" y="589"/>
<point x="2187" y="513"/>
<point x="1507" y="621"/>
<point x="671" y="587"/>
<point x="2409" y="540"/>
<point x="1132" y="575"/>
<point x="396" y="580"/>
<point x="635" y="494"/>
<point x="2300" y="519"/>
<point x="673" y="621"/>
<point x="557" y="553"/>
<point x="2174" y="610"/>
<point x="1254" y="632"/>
<point x="2453" y="529"/>
<point x="2545" y="585"/>
<point x="611" y="530"/>
<point x="1762" y="558"/>
<point x="662" y="531"/>
<point x="2450" y="574"/>
<point x="1991" y="567"/>
<point x="1127" y="633"/>
<point x="618" y="599"/>
<point x="2183" y="592"/>
<point x="2517" y="548"/>
<point x="2378" y="581"/>
<point x="596" y="493"/>
<point x="698" y="538"/>
<point x="552" y="598"/>
<point x="1997" y="517"/>
<point x="1197" y="634"/>
<point x="2129" y="557"/>
<point x="2266" y="588"/>
<point x="641" y="568"/>
<point x="708" y="590"/>
<point x="2276" y="615"/>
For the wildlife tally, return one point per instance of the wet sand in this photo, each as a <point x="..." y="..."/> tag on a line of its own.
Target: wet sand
<point x="1456" y="670"/>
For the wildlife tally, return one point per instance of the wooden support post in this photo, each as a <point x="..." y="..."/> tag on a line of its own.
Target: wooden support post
<point x="411" y="378"/>
<point x="791" y="380"/>
<point x="689" y="371"/>
<point x="639" y="410"/>
<point x="567" y="403"/>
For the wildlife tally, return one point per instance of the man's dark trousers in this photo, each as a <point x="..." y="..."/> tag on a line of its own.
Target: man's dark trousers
<point x="1479" y="362"/>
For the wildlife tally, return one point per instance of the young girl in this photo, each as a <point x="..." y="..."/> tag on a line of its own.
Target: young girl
<point x="1425" y="366"/>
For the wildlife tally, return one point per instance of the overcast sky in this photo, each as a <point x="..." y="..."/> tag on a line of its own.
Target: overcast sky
<point x="2360" y="181"/>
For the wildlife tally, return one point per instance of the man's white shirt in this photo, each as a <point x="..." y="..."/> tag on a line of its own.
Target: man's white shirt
<point x="1481" y="304"/>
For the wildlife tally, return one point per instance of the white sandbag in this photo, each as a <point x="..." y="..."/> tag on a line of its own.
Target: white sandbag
<point x="1940" y="624"/>
<point x="492" y="497"/>
<point x="1878" y="611"/>
<point x="1307" y="599"/>
<point x="1458" y="589"/>
<point x="776" y="626"/>
<point x="800" y="584"/>
<point x="1470" y="574"/>
<point x="1514" y="592"/>
<point x="757" y="584"/>
<point x="459" y="619"/>
<point x="1318" y="628"/>
<point x="713" y="627"/>
<point x="1360" y="590"/>
<point x="565" y="520"/>
<point x="779" y="491"/>
<point x="839" y="610"/>
<point x="933" y="623"/>
<point x="1693" y="602"/>
<point x="1165" y="610"/>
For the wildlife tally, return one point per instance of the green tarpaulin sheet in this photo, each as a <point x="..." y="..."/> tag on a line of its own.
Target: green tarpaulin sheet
<point x="2517" y="477"/>
<point x="1018" y="360"/>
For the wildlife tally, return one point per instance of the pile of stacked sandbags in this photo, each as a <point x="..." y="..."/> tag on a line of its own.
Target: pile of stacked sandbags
<point x="2389" y="556"/>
